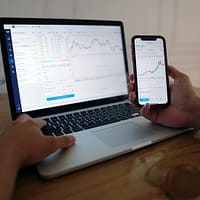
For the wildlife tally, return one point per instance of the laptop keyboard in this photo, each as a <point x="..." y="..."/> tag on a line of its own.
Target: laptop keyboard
<point x="78" y="121"/>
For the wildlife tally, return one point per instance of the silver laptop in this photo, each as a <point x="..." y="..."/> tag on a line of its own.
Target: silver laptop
<point x="73" y="73"/>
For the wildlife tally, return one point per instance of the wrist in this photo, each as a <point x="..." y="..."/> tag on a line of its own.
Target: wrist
<point x="194" y="113"/>
<point x="8" y="169"/>
<point x="9" y="156"/>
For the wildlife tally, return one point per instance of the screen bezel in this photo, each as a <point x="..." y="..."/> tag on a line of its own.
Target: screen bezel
<point x="149" y="38"/>
<point x="53" y="21"/>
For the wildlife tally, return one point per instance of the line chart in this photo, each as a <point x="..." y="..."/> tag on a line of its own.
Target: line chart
<point x="91" y="44"/>
<point x="153" y="70"/>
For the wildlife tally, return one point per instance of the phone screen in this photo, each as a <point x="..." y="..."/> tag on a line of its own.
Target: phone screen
<point x="151" y="70"/>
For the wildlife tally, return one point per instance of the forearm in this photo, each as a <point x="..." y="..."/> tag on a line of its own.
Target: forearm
<point x="194" y="112"/>
<point x="8" y="173"/>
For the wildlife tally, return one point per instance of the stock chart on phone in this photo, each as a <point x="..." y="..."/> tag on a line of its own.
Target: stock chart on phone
<point x="151" y="71"/>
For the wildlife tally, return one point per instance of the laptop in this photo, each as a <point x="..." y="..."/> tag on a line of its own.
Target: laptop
<point x="74" y="74"/>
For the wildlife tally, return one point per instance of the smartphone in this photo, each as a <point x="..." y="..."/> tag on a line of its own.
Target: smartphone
<point x="150" y="70"/>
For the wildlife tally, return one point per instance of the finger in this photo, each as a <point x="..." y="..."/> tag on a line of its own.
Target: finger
<point x="174" y="73"/>
<point x="145" y="111"/>
<point x="61" y="141"/>
<point x="149" y="113"/>
<point x="131" y="87"/>
<point x="132" y="96"/>
<point x="131" y="77"/>
<point x="23" y="118"/>
<point x="40" y="123"/>
<point x="66" y="141"/>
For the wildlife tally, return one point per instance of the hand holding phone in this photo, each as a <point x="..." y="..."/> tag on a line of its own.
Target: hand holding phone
<point x="150" y="70"/>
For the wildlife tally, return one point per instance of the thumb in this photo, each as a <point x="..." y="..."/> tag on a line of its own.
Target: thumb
<point x="173" y="72"/>
<point x="64" y="141"/>
<point x="145" y="111"/>
<point x="60" y="142"/>
<point x="148" y="113"/>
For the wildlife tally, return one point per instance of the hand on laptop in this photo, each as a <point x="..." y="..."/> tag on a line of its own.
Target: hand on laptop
<point x="22" y="144"/>
<point x="184" y="109"/>
<point x="28" y="143"/>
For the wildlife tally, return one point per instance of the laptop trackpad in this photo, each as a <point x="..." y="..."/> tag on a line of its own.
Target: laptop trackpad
<point x="121" y="134"/>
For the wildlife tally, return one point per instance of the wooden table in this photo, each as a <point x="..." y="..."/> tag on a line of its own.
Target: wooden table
<point x="123" y="178"/>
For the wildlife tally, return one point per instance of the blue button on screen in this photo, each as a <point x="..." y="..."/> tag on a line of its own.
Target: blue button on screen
<point x="144" y="99"/>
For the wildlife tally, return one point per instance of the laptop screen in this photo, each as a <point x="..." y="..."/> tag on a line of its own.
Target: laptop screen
<point x="60" y="64"/>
